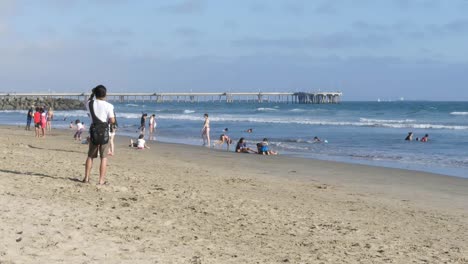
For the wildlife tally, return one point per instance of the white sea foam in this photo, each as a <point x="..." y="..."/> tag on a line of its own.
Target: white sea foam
<point x="385" y="121"/>
<point x="297" y="110"/>
<point x="459" y="113"/>
<point x="13" y="111"/>
<point x="187" y="111"/>
<point x="276" y="120"/>
<point x="266" y="109"/>
<point x="135" y="105"/>
<point x="363" y="122"/>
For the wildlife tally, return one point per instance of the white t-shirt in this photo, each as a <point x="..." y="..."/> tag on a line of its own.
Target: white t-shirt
<point x="102" y="109"/>
<point x="79" y="126"/>
<point x="141" y="143"/>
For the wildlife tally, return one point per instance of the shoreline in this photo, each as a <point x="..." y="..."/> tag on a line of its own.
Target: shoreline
<point x="451" y="169"/>
<point x="186" y="204"/>
<point x="288" y="155"/>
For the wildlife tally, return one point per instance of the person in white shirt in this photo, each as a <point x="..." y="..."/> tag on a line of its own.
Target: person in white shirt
<point x="104" y="112"/>
<point x="140" y="144"/>
<point x="79" y="130"/>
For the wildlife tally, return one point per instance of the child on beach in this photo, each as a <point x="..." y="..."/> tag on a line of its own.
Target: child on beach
<point x="241" y="147"/>
<point x="224" y="139"/>
<point x="43" y="122"/>
<point x="79" y="130"/>
<point x="264" y="149"/>
<point x="140" y="144"/>
<point x="37" y="122"/>
<point x="29" y="117"/>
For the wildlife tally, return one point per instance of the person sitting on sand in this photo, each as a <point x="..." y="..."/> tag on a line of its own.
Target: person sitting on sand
<point x="224" y="138"/>
<point x="425" y="138"/>
<point x="140" y="144"/>
<point x="409" y="137"/>
<point x="241" y="147"/>
<point x="264" y="149"/>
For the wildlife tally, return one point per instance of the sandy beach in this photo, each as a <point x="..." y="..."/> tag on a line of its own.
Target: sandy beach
<point x="185" y="204"/>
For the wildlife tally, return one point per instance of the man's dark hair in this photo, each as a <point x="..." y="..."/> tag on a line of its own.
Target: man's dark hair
<point x="100" y="91"/>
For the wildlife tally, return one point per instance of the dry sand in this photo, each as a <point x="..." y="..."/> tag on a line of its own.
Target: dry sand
<point x="184" y="204"/>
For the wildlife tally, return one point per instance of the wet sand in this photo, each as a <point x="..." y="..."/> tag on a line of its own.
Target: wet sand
<point x="185" y="204"/>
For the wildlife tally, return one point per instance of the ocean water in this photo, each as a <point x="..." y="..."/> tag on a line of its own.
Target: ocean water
<point x="369" y="133"/>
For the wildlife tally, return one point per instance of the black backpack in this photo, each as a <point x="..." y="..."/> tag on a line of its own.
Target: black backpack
<point x="98" y="131"/>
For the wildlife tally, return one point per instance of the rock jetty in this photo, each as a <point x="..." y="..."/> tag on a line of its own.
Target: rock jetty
<point x="24" y="103"/>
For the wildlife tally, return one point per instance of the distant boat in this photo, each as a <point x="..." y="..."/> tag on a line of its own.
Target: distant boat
<point x="378" y="100"/>
<point x="402" y="98"/>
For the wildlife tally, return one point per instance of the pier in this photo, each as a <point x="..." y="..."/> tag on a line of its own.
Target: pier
<point x="228" y="97"/>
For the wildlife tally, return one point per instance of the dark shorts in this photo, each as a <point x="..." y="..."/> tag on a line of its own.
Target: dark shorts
<point x="38" y="125"/>
<point x="93" y="150"/>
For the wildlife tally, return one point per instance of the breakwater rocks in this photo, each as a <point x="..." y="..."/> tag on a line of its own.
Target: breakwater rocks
<point x="24" y="103"/>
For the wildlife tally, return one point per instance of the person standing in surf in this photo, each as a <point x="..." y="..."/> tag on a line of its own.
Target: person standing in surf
<point x="143" y="123"/>
<point x="152" y="126"/>
<point x="206" y="131"/>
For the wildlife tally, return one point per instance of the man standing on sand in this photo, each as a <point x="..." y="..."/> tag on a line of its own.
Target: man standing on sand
<point x="103" y="111"/>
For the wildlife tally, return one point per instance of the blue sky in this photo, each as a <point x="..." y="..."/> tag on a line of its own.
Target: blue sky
<point x="367" y="49"/>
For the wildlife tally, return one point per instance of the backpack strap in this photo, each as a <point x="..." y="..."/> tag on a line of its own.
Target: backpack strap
<point x="93" y="115"/>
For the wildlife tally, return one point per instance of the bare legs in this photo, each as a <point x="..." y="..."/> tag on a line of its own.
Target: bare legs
<point x="102" y="170"/>
<point x="111" y="145"/>
<point x="206" y="137"/>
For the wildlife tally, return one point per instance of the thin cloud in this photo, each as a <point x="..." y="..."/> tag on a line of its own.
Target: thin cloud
<point x="259" y="7"/>
<point x="327" y="7"/>
<point x="454" y="27"/>
<point x="184" y="7"/>
<point x="188" y="32"/>
<point x="329" y="41"/>
<point x="107" y="32"/>
<point x="295" y="8"/>
<point x="407" y="4"/>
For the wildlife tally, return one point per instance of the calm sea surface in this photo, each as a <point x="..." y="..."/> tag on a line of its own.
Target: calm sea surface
<point x="357" y="132"/>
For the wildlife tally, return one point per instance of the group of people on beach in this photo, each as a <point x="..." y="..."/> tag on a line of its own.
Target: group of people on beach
<point x="241" y="146"/>
<point x="42" y="117"/>
<point x="151" y="125"/>
<point x="409" y="137"/>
